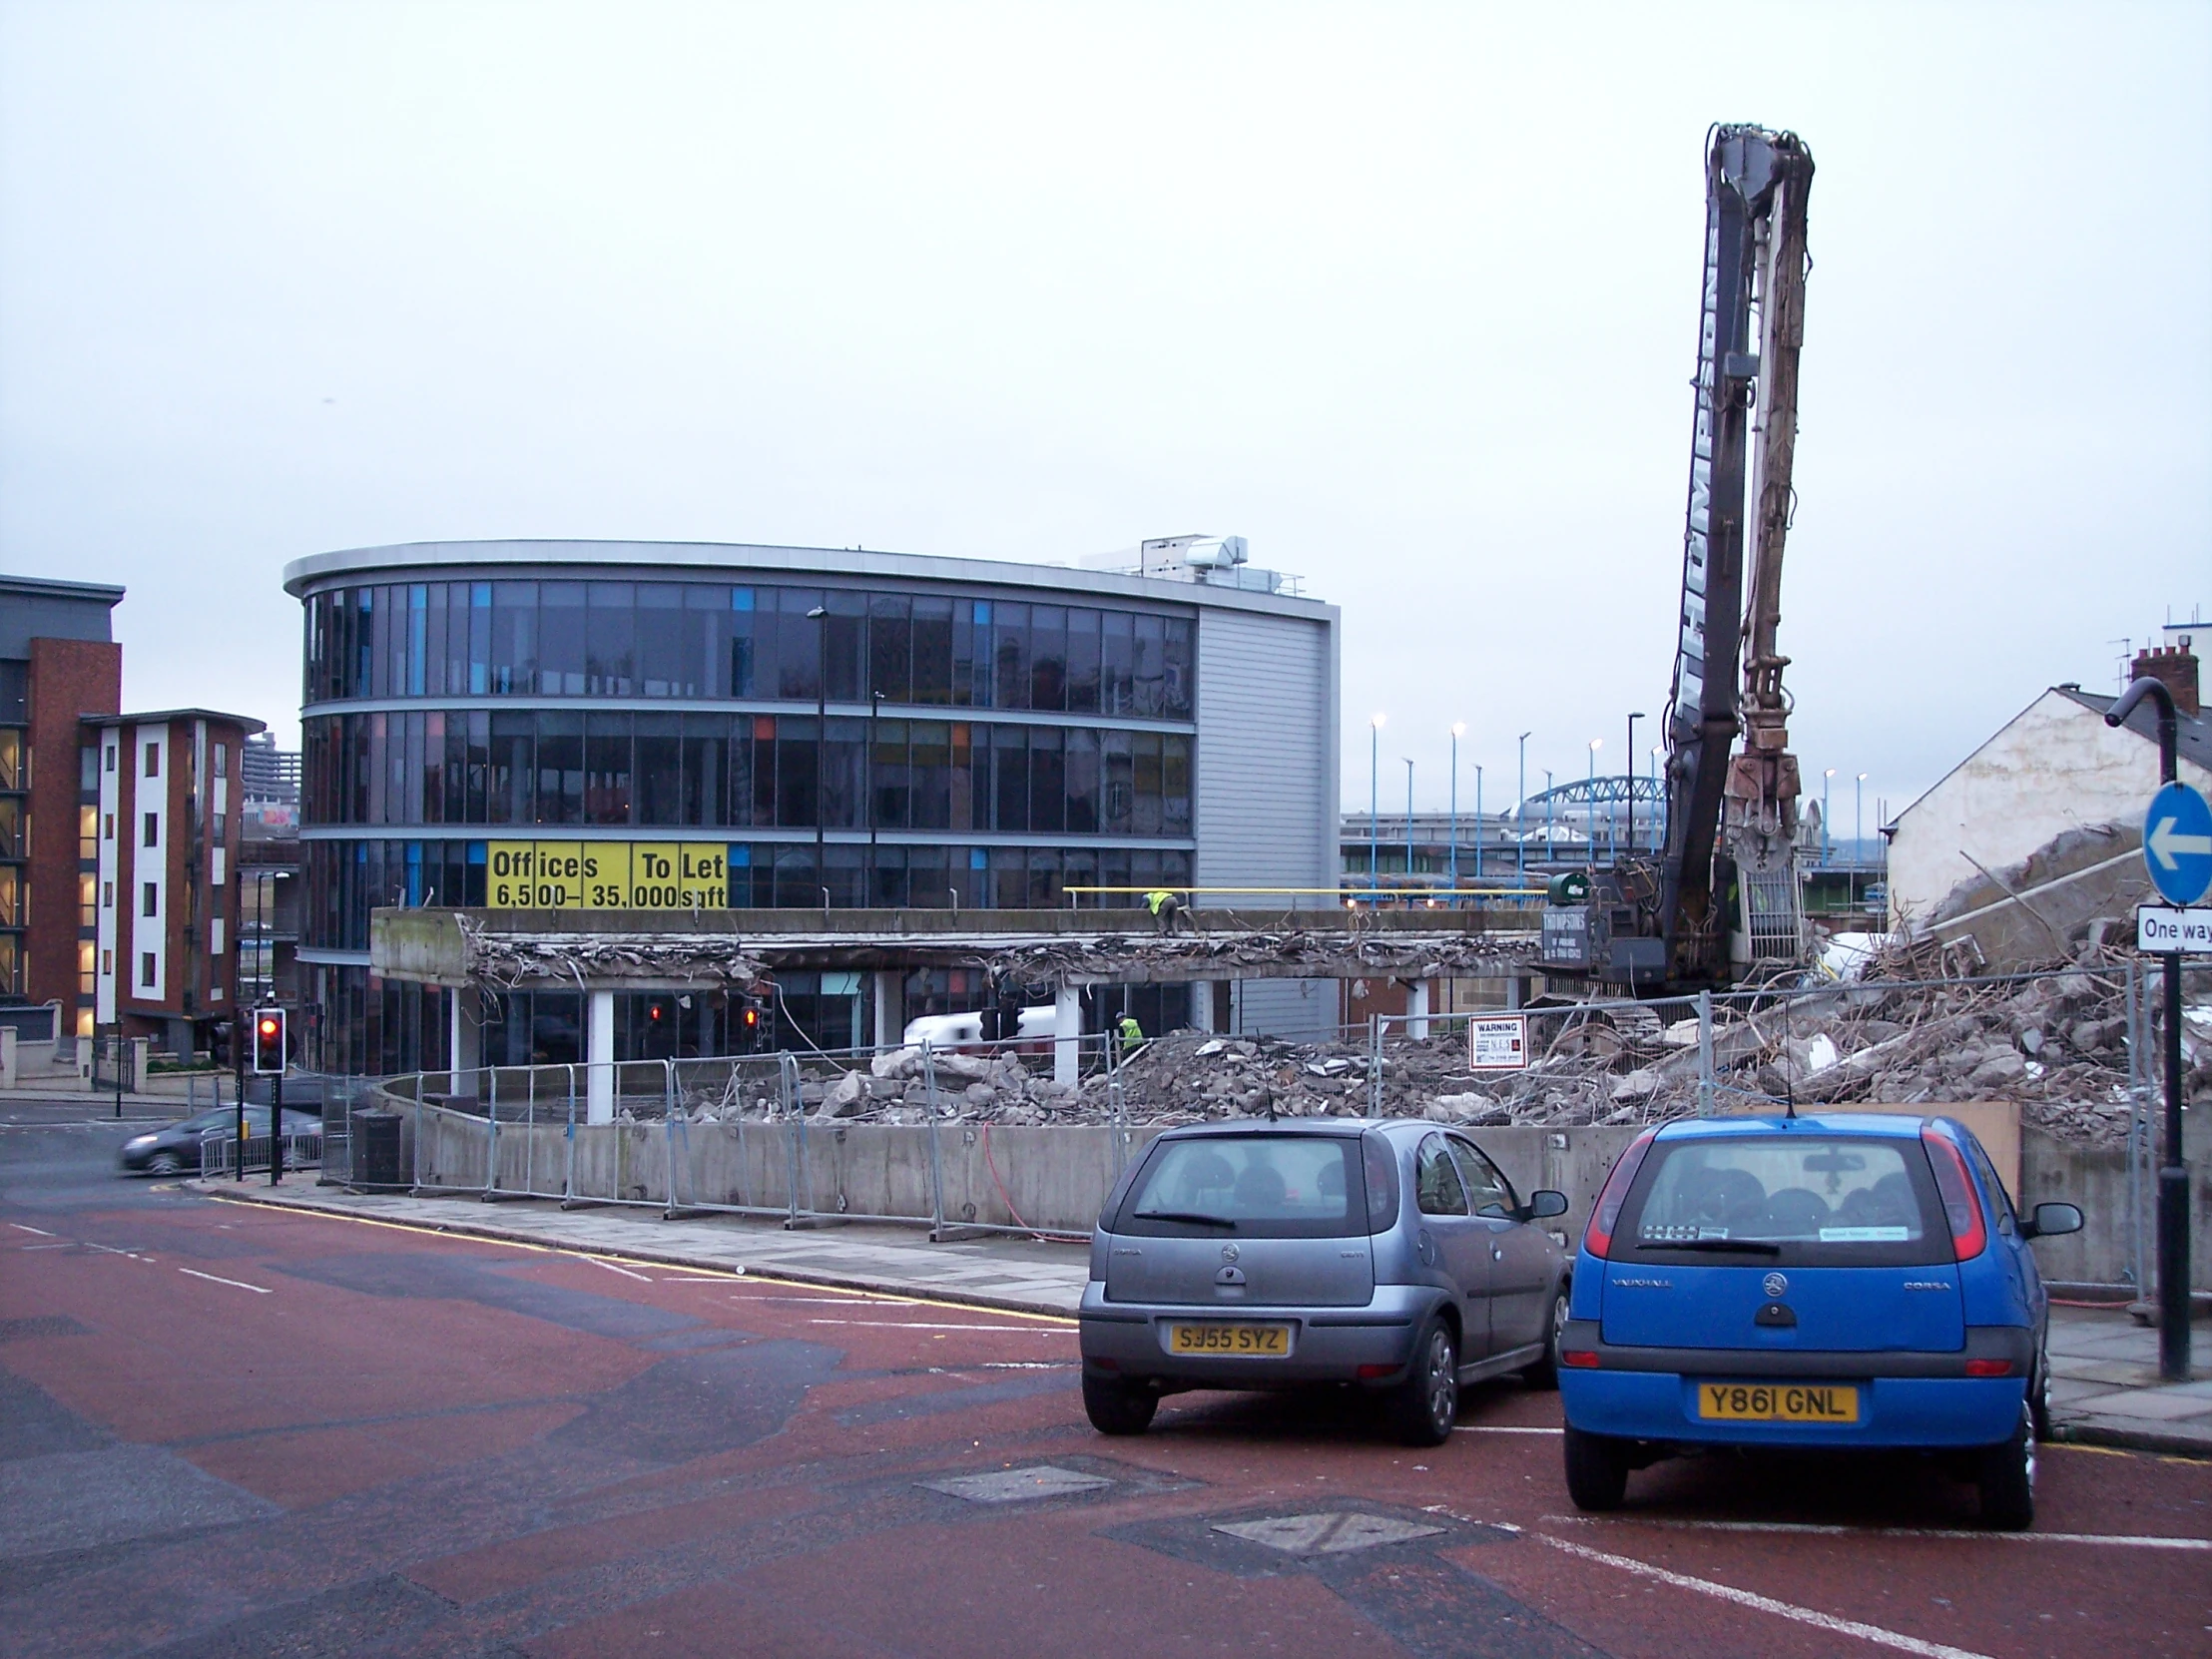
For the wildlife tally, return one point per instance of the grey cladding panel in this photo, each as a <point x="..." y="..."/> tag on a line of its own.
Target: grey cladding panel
<point x="1266" y="805"/>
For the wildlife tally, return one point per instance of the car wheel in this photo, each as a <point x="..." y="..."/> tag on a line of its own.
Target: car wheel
<point x="164" y="1163"/>
<point x="1117" y="1409"/>
<point x="2007" y="1478"/>
<point x="2038" y="1392"/>
<point x="1425" y="1406"/>
<point x="1544" y="1374"/>
<point x="1597" y="1470"/>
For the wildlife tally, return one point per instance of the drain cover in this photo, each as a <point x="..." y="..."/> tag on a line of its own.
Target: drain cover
<point x="1014" y="1486"/>
<point x="1332" y="1532"/>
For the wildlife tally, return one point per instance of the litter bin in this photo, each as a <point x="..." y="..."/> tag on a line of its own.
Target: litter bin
<point x="376" y="1152"/>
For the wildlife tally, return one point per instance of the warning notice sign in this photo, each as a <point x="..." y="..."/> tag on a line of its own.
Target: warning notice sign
<point x="1498" y="1042"/>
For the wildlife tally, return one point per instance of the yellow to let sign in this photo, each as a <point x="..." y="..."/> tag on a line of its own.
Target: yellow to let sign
<point x="607" y="875"/>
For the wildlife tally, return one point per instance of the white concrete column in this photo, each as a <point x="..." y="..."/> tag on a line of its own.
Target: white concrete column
<point x="599" y="1060"/>
<point x="890" y="1013"/>
<point x="1202" y="1005"/>
<point x="465" y="1036"/>
<point x="1513" y="992"/>
<point x="1067" y="1034"/>
<point x="1416" y="1009"/>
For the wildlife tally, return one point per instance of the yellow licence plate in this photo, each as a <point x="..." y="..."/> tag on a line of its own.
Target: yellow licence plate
<point x="1259" y="1342"/>
<point x="1777" y="1402"/>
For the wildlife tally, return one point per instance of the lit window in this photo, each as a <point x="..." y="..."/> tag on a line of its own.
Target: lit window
<point x="107" y="963"/>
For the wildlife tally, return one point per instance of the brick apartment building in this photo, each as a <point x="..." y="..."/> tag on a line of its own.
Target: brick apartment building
<point x="169" y="795"/>
<point x="57" y="662"/>
<point x="87" y="900"/>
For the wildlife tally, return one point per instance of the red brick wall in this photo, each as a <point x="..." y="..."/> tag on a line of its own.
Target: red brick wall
<point x="67" y="678"/>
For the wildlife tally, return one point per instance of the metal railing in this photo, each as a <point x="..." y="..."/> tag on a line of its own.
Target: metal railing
<point x="772" y="1135"/>
<point x="219" y="1146"/>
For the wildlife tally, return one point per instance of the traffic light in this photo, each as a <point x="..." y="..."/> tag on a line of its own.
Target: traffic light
<point x="269" y="1042"/>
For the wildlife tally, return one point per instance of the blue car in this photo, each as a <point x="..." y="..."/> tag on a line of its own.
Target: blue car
<point x="1843" y="1283"/>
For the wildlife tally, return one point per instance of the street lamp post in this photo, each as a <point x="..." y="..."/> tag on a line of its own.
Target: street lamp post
<point x="1857" y="826"/>
<point x="1827" y="778"/>
<point x="1520" y="814"/>
<point x="1479" y="820"/>
<point x="1456" y="728"/>
<point x="1590" y="852"/>
<point x="1551" y="806"/>
<point x="1408" y="759"/>
<point x="1374" y="799"/>
<point x="1628" y="777"/>
<point x="1659" y="800"/>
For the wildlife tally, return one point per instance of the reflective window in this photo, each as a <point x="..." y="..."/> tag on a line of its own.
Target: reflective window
<point x="707" y="640"/>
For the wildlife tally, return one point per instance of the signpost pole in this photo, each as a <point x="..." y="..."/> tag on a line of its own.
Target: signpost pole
<point x="2173" y="1175"/>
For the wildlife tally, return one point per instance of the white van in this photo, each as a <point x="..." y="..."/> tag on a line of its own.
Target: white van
<point x="967" y="1030"/>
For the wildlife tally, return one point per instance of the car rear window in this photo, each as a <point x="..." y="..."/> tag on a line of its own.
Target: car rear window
<point x="1809" y="1200"/>
<point x="1248" y="1186"/>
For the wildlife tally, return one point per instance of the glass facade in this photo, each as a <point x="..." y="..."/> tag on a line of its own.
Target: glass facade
<point x="978" y="753"/>
<point x="709" y="641"/>
<point x="743" y="771"/>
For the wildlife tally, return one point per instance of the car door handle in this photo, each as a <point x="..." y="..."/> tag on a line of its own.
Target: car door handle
<point x="1496" y="1255"/>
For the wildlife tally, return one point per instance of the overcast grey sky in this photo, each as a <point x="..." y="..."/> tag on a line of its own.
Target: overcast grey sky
<point x="1405" y="295"/>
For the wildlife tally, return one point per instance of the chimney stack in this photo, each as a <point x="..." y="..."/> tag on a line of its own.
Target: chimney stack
<point x="2176" y="666"/>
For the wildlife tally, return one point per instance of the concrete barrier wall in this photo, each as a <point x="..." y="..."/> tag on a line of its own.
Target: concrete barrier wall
<point x="1056" y="1178"/>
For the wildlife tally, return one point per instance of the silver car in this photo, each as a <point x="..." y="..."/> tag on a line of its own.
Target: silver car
<point x="1388" y="1257"/>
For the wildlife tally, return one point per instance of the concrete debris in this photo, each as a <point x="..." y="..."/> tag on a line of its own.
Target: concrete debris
<point x="1117" y="958"/>
<point x="502" y="962"/>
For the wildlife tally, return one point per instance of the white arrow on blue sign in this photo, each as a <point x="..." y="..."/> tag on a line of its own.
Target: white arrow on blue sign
<point x="2177" y="843"/>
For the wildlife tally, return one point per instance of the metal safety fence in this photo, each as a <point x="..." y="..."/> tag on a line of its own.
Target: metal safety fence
<point x="962" y="1140"/>
<point x="223" y="1157"/>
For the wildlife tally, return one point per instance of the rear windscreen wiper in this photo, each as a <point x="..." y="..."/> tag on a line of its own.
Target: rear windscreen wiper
<point x="1759" y="1247"/>
<point x="1191" y="1216"/>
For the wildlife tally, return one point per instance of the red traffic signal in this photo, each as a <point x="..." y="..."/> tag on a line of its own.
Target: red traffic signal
<point x="269" y="1042"/>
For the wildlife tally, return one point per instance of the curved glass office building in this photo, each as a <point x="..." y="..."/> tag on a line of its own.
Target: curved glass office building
<point x="843" y="726"/>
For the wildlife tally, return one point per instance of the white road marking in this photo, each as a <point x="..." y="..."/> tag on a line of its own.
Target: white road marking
<point x="21" y="1227"/>
<point x="1500" y="1428"/>
<point x="235" y="1284"/>
<point x="916" y="1325"/>
<point x="611" y="1268"/>
<point x="2119" y="1539"/>
<point x="1767" y="1604"/>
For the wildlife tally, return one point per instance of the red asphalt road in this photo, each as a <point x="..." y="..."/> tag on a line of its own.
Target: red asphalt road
<point x="434" y="1446"/>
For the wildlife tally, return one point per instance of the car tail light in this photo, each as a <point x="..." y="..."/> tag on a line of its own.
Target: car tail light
<point x="1597" y="1237"/>
<point x="1968" y="1232"/>
<point x="1581" y="1359"/>
<point x="1369" y="1374"/>
<point x="1988" y="1367"/>
<point x="1102" y="1364"/>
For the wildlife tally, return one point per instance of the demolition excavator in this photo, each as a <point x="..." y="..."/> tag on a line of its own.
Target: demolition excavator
<point x="1721" y="901"/>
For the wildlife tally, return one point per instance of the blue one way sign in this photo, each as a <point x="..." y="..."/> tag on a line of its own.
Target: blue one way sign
<point x="2177" y="843"/>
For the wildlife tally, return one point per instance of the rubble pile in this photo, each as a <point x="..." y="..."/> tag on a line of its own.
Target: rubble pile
<point x="2056" y="1044"/>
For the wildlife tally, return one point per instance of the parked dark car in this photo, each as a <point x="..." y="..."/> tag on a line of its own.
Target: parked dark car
<point x="1389" y="1257"/>
<point x="174" y="1149"/>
